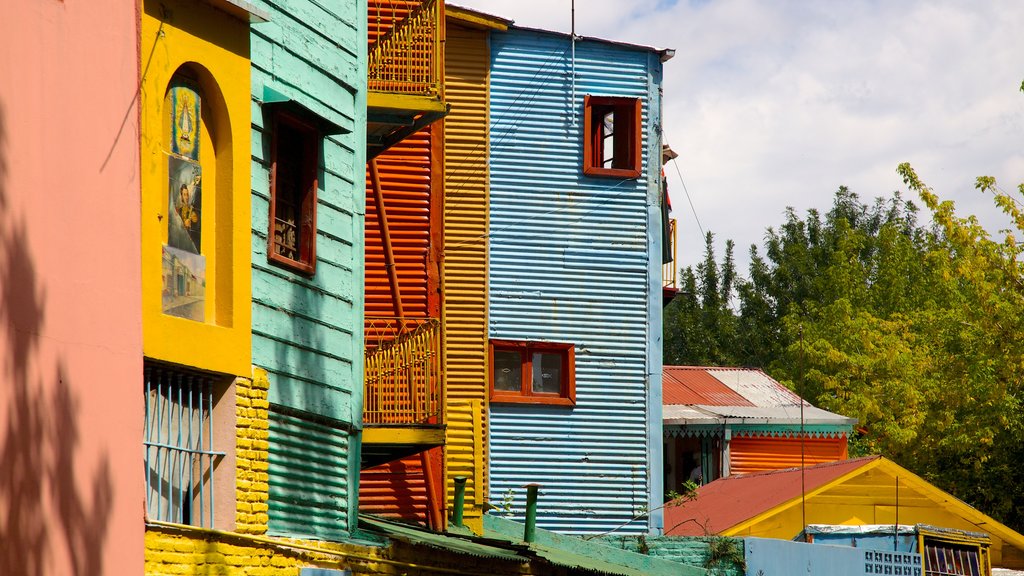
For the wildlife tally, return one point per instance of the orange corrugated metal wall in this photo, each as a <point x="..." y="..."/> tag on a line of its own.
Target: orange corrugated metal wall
<point x="405" y="182"/>
<point x="384" y="14"/>
<point x="395" y="490"/>
<point x="398" y="489"/>
<point x="467" y="66"/>
<point x="749" y="454"/>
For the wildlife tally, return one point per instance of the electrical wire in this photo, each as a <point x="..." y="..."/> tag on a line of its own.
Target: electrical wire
<point x="679" y="173"/>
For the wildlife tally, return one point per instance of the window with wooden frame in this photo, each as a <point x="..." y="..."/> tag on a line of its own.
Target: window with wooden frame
<point x="533" y="372"/>
<point x="611" y="136"/>
<point x="295" y="153"/>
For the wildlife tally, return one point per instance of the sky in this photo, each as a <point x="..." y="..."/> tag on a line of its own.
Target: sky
<point x="772" y="104"/>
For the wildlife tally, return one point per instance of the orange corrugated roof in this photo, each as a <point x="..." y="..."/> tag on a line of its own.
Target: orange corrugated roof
<point x="726" y="502"/>
<point x="693" y="385"/>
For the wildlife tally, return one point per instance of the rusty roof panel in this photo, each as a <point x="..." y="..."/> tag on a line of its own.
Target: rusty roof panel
<point x="691" y="385"/>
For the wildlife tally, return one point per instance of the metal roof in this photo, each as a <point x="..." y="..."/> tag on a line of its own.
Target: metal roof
<point x="726" y="502"/>
<point x="710" y="395"/>
<point x="437" y="540"/>
<point x="696" y="386"/>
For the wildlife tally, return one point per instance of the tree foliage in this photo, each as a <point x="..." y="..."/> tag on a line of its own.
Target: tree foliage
<point x="914" y="329"/>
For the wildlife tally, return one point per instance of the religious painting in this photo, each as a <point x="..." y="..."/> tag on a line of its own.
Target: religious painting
<point x="184" y="284"/>
<point x="184" y="222"/>
<point x="184" y="106"/>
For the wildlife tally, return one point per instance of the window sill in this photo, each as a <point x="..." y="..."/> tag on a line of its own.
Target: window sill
<point x="536" y="400"/>
<point x="611" y="173"/>
<point x="292" y="265"/>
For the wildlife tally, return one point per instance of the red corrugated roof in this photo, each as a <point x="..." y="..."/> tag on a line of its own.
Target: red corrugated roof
<point x="726" y="502"/>
<point x="694" y="385"/>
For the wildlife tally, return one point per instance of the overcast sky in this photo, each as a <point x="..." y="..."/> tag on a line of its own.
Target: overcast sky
<point x="773" y="104"/>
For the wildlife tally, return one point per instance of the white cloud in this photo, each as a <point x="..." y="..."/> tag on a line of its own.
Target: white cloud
<point x="775" y="104"/>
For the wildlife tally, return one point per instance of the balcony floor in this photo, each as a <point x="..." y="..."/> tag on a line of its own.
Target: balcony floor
<point x="386" y="442"/>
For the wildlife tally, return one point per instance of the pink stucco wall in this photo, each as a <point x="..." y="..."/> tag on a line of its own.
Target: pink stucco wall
<point x="71" y="494"/>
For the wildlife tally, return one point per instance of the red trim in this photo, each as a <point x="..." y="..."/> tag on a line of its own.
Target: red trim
<point x="526" y="395"/>
<point x="630" y="146"/>
<point x="307" y="219"/>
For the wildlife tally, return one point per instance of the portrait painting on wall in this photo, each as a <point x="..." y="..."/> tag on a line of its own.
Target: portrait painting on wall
<point x="184" y="284"/>
<point x="185" y="223"/>
<point x="185" y="110"/>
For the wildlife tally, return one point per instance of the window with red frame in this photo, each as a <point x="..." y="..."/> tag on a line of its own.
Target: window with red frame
<point x="293" y="186"/>
<point x="611" y="136"/>
<point x="533" y="372"/>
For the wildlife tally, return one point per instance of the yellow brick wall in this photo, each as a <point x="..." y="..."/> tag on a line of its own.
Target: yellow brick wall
<point x="174" y="552"/>
<point x="252" y="434"/>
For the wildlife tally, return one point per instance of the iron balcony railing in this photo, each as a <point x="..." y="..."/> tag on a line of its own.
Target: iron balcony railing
<point x="402" y="378"/>
<point x="670" y="270"/>
<point x="407" y="58"/>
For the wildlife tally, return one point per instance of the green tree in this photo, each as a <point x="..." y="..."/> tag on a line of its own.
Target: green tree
<point x="699" y="325"/>
<point x="913" y="328"/>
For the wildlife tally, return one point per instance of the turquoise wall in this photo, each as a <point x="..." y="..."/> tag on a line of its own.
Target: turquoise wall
<point x="307" y="331"/>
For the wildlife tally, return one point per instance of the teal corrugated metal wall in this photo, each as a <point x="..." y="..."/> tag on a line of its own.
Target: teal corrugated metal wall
<point x="308" y="478"/>
<point x="307" y="331"/>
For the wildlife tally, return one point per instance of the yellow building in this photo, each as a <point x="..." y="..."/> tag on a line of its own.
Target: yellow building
<point x="862" y="491"/>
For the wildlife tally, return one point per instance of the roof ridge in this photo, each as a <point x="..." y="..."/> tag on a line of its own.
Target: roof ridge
<point x="795" y="468"/>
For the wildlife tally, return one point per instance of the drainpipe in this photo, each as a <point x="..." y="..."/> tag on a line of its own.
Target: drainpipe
<point x="530" y="531"/>
<point x="460" y="499"/>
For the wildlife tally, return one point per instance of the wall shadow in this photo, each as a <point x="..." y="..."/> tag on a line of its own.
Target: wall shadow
<point x="43" y="512"/>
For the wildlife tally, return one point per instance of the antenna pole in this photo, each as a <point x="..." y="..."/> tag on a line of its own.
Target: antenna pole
<point x="803" y="485"/>
<point x="896" y="528"/>
<point x="572" y="79"/>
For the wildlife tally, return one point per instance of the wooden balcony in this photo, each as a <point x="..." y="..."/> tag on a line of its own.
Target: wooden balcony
<point x="402" y="388"/>
<point x="670" y="269"/>
<point x="405" y="71"/>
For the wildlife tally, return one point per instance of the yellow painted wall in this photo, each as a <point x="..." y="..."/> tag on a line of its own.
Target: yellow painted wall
<point x="215" y="46"/>
<point x="869" y="498"/>
<point x="464" y="277"/>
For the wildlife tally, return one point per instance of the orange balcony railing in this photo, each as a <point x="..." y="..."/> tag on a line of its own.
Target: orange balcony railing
<point x="670" y="270"/>
<point x="407" y="58"/>
<point x="402" y="378"/>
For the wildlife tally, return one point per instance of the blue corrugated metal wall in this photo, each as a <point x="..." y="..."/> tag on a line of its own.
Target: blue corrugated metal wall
<point x="307" y="331"/>
<point x="570" y="261"/>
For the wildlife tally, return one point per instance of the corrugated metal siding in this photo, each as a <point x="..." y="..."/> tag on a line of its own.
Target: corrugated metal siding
<point x="383" y="15"/>
<point x="399" y="489"/>
<point x="750" y="454"/>
<point x="308" y="478"/>
<point x="467" y="63"/>
<point x="395" y="490"/>
<point x="405" y="182"/>
<point x="569" y="263"/>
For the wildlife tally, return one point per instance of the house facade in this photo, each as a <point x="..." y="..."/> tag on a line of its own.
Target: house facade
<point x="70" y="296"/>
<point x="727" y="421"/>
<point x="574" y="284"/>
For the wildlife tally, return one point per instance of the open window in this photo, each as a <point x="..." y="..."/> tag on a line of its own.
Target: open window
<point x="533" y="372"/>
<point x="293" y="193"/>
<point x="611" y="136"/>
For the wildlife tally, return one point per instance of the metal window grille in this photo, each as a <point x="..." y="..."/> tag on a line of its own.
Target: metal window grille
<point x="179" y="450"/>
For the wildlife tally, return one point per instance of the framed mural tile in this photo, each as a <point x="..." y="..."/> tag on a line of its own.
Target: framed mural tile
<point x="184" y="284"/>
<point x="184" y="194"/>
<point x="185" y="120"/>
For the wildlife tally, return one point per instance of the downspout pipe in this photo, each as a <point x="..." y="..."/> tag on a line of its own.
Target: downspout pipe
<point x="530" y="530"/>
<point x="460" y="500"/>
